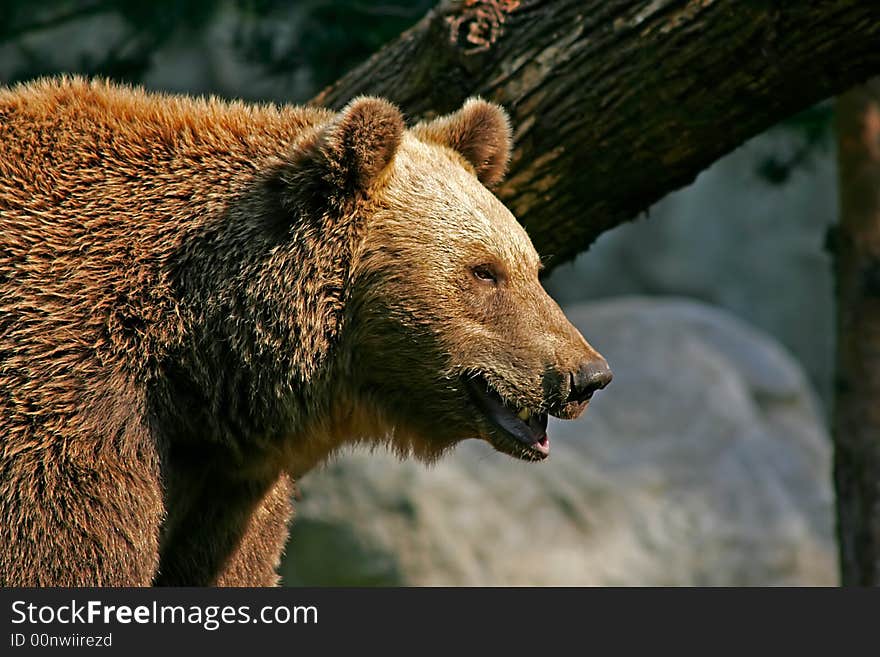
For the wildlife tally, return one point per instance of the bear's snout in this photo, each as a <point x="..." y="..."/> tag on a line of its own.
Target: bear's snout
<point x="590" y="376"/>
<point x="573" y="387"/>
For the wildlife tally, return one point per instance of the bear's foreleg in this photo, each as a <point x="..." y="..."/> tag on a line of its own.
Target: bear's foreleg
<point x="256" y="559"/>
<point x="77" y="517"/>
<point x="223" y="531"/>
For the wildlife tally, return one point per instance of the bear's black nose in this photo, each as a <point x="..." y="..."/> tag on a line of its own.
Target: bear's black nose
<point x="591" y="376"/>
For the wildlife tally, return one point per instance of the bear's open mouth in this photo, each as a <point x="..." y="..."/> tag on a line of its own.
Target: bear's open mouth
<point x="520" y="432"/>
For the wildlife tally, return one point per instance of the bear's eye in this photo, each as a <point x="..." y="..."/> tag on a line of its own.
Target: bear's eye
<point x="485" y="273"/>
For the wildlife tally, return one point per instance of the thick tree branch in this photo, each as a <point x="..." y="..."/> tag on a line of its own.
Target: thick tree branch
<point x="856" y="247"/>
<point x="616" y="103"/>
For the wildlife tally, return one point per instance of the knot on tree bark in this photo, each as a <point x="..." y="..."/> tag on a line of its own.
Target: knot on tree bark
<point x="479" y="23"/>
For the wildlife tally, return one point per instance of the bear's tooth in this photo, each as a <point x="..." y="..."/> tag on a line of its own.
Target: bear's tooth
<point x="524" y="414"/>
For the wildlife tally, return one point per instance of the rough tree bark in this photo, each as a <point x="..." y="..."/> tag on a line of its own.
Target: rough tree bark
<point x="617" y="102"/>
<point x="857" y="393"/>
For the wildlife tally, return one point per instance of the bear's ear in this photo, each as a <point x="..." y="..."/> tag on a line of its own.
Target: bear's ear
<point x="480" y="131"/>
<point x="351" y="152"/>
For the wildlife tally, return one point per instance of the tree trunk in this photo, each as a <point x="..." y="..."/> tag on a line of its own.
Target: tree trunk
<point x="617" y="102"/>
<point x="857" y="394"/>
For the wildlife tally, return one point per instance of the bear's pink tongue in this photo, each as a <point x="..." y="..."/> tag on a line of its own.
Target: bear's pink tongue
<point x="538" y="426"/>
<point x="543" y="445"/>
<point x="531" y="431"/>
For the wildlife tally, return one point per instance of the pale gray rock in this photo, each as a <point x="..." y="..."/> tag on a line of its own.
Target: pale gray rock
<point x="733" y="240"/>
<point x="704" y="463"/>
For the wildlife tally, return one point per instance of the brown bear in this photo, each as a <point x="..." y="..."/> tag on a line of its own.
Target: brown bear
<point x="201" y="300"/>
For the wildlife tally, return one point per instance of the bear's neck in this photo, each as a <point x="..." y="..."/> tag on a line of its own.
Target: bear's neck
<point x="263" y="311"/>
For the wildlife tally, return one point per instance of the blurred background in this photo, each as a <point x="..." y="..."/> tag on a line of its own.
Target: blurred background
<point x="708" y="459"/>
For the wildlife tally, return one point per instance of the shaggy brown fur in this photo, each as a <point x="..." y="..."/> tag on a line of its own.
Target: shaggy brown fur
<point x="200" y="300"/>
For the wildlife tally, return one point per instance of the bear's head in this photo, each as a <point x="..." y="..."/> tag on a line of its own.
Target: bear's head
<point x="448" y="333"/>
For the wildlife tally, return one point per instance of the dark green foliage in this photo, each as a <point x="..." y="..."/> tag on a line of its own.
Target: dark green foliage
<point x="328" y="554"/>
<point x="279" y="37"/>
<point x="148" y="25"/>
<point x="333" y="36"/>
